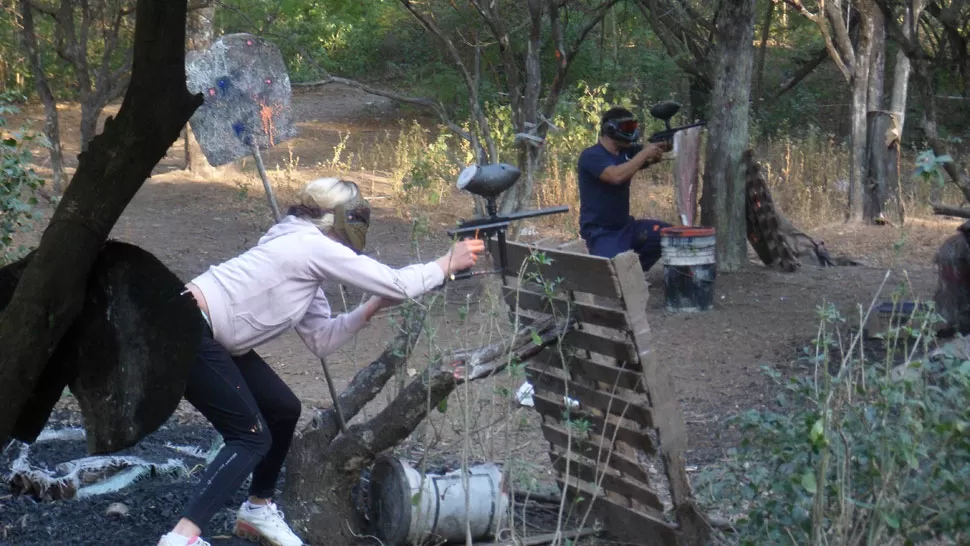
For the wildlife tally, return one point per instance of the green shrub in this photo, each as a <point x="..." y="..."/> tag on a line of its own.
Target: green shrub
<point x="18" y="181"/>
<point x="859" y="452"/>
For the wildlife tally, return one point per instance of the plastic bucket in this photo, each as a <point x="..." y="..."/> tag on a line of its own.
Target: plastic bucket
<point x="406" y="509"/>
<point x="690" y="267"/>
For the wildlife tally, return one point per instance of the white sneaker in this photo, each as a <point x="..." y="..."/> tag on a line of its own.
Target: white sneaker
<point x="171" y="539"/>
<point x="264" y="525"/>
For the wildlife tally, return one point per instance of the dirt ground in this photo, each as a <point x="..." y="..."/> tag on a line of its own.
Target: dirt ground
<point x="761" y="317"/>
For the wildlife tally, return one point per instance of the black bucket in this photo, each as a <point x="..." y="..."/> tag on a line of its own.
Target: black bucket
<point x="690" y="267"/>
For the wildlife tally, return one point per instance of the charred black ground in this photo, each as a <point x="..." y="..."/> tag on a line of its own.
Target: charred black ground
<point x="154" y="503"/>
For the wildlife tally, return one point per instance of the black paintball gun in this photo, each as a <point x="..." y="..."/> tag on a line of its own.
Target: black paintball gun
<point x="489" y="181"/>
<point x="664" y="111"/>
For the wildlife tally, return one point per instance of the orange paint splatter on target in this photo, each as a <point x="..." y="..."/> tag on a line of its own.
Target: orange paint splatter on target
<point x="266" y="115"/>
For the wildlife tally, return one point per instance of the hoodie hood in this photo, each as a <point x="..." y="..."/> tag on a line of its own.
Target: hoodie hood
<point x="288" y="225"/>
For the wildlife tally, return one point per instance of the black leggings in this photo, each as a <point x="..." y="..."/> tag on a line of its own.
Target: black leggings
<point x="256" y="414"/>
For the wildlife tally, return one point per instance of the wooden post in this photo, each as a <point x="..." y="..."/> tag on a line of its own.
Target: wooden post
<point x="659" y="386"/>
<point x="882" y="159"/>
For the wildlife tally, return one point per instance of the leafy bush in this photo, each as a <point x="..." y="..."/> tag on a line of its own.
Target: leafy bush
<point x="18" y="181"/>
<point x="868" y="453"/>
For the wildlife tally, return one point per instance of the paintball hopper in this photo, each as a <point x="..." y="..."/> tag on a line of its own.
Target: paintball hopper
<point x="664" y="111"/>
<point x="488" y="181"/>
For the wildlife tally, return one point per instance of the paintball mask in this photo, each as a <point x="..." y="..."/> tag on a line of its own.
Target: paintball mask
<point x="351" y="220"/>
<point x="622" y="129"/>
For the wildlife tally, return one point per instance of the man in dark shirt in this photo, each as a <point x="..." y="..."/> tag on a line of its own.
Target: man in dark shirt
<point x="605" y="170"/>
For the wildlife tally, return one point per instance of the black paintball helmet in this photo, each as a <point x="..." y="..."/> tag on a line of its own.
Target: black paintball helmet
<point x="620" y="124"/>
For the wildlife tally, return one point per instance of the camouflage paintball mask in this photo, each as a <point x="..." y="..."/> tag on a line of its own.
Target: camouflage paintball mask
<point x="351" y="220"/>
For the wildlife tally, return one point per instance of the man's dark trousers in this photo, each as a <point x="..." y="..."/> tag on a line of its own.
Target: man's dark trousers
<point x="642" y="236"/>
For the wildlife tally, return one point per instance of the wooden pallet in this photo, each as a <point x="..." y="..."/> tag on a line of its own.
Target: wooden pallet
<point x="620" y="453"/>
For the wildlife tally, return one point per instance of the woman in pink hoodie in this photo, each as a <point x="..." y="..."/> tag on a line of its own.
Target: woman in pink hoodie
<point x="253" y="298"/>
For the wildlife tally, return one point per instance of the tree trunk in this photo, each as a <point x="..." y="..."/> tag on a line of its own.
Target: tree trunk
<point x="90" y="112"/>
<point x="722" y="204"/>
<point x="199" y="34"/>
<point x="52" y="128"/>
<point x="914" y="9"/>
<point x="882" y="160"/>
<point x="50" y="295"/>
<point x="877" y="64"/>
<point x="875" y="186"/>
<point x="759" y="71"/>
<point x="860" y="100"/>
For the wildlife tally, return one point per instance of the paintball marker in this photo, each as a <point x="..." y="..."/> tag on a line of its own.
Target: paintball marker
<point x="490" y="181"/>
<point x="664" y="111"/>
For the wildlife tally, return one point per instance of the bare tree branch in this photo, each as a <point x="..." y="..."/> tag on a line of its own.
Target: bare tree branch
<point x="803" y="71"/>
<point x="410" y="407"/>
<point x="840" y="33"/>
<point x="474" y="100"/>
<point x="512" y="70"/>
<point x="368" y="382"/>
<point x="682" y="45"/>
<point x="910" y="47"/>
<point x="820" y="22"/>
<point x="552" y="96"/>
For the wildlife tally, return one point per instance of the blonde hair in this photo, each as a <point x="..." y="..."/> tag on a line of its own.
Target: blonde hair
<point x="319" y="197"/>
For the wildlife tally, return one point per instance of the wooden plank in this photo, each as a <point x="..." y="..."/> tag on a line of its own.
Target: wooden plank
<point x="579" y="272"/>
<point x="531" y="300"/>
<point x="628" y="377"/>
<point x="581" y="470"/>
<point x="620" y="432"/>
<point x="622" y="463"/>
<point x="628" y="525"/>
<point x="614" y="348"/>
<point x="582" y="340"/>
<point x="668" y="419"/>
<point x="607" y="402"/>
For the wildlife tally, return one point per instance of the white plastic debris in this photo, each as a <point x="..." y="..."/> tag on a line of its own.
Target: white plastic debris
<point x="524" y="396"/>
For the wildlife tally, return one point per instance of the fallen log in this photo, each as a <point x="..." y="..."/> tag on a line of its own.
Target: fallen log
<point x="946" y="210"/>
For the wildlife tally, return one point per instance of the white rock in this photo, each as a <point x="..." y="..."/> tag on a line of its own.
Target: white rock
<point x="116" y="509"/>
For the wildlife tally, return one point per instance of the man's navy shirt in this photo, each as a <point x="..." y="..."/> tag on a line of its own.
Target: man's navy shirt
<point x="601" y="204"/>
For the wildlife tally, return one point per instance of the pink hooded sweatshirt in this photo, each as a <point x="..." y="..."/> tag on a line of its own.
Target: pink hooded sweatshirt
<point x="278" y="284"/>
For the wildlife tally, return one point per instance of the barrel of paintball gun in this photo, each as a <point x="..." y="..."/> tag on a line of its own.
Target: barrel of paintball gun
<point x="488" y="223"/>
<point x="495" y="224"/>
<point x="668" y="134"/>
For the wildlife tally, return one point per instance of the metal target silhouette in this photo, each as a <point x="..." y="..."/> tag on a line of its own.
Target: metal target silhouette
<point x="247" y="97"/>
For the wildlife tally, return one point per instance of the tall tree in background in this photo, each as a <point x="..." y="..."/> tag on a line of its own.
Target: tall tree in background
<point x="518" y="31"/>
<point x="722" y="203"/>
<point x="854" y="62"/>
<point x="686" y="30"/>
<point x="52" y="129"/>
<point x="199" y="36"/>
<point x="935" y="37"/>
<point x="93" y="37"/>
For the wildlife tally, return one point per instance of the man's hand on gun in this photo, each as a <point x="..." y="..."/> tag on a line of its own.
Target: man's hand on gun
<point x="655" y="151"/>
